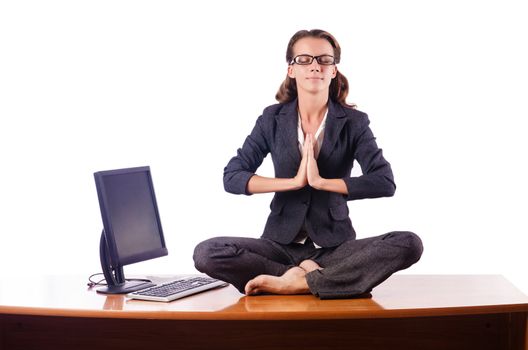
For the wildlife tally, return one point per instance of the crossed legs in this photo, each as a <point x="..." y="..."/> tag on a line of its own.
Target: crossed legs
<point x="256" y="266"/>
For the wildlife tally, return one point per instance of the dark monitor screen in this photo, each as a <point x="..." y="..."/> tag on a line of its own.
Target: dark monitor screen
<point x="132" y="226"/>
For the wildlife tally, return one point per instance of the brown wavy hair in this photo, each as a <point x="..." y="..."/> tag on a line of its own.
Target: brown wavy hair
<point x="339" y="85"/>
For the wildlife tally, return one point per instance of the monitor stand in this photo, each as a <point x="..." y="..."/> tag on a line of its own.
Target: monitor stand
<point x="114" y="275"/>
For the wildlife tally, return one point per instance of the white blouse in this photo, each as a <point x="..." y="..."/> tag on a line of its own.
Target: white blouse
<point x="319" y="135"/>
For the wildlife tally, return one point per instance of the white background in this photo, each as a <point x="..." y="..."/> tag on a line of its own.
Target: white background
<point x="97" y="85"/>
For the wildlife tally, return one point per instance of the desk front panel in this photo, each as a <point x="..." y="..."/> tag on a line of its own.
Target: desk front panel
<point x="483" y="332"/>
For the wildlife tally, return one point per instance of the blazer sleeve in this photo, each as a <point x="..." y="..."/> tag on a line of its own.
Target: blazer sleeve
<point x="243" y="166"/>
<point x="377" y="179"/>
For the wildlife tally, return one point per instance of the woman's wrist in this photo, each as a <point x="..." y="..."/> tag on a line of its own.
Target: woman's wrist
<point x="296" y="184"/>
<point x="317" y="184"/>
<point x="330" y="185"/>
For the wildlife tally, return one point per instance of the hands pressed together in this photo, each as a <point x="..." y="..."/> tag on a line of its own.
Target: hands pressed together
<point x="308" y="173"/>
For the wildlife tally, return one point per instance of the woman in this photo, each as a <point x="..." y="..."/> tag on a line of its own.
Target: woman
<point x="313" y="135"/>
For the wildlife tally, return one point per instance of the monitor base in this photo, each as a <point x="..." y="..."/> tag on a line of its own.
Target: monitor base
<point x="124" y="288"/>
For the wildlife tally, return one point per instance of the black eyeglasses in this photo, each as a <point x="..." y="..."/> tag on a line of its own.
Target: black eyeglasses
<point x="304" y="60"/>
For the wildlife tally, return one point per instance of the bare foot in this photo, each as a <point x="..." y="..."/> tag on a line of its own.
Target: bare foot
<point x="309" y="266"/>
<point x="292" y="282"/>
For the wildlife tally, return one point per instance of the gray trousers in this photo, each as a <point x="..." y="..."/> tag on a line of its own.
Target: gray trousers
<point x="349" y="270"/>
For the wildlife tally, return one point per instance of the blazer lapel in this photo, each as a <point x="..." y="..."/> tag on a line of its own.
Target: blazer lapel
<point x="287" y="129"/>
<point x="334" y="123"/>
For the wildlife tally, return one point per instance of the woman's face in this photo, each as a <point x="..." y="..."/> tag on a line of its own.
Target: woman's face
<point x="313" y="78"/>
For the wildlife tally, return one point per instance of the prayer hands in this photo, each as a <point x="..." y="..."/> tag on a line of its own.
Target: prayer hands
<point x="308" y="173"/>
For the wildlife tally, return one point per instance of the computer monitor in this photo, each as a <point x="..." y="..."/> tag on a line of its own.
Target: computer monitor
<point x="132" y="227"/>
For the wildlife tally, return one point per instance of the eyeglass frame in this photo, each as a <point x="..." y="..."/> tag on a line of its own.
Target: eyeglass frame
<point x="312" y="59"/>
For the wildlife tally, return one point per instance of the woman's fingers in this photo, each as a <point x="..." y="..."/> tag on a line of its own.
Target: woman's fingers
<point x="306" y="145"/>
<point x="310" y="145"/>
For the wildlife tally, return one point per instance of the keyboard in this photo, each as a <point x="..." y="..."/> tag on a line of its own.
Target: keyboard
<point x="177" y="289"/>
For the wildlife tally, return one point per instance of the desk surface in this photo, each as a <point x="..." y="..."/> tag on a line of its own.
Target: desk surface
<point x="399" y="296"/>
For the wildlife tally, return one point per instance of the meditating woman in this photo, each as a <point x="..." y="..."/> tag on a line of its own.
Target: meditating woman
<point x="314" y="136"/>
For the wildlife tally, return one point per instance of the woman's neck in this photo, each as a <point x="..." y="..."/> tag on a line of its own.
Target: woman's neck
<point x="312" y="108"/>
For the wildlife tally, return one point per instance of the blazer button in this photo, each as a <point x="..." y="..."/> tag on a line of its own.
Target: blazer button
<point x="307" y="203"/>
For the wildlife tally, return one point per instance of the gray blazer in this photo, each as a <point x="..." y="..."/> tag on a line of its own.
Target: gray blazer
<point x="325" y="214"/>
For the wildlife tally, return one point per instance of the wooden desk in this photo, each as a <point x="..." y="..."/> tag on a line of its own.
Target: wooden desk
<point x="405" y="312"/>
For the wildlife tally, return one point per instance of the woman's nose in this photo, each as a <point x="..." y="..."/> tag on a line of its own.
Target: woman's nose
<point x="315" y="67"/>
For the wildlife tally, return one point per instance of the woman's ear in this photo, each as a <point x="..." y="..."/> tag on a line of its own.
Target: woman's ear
<point x="291" y="72"/>
<point x="334" y="72"/>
